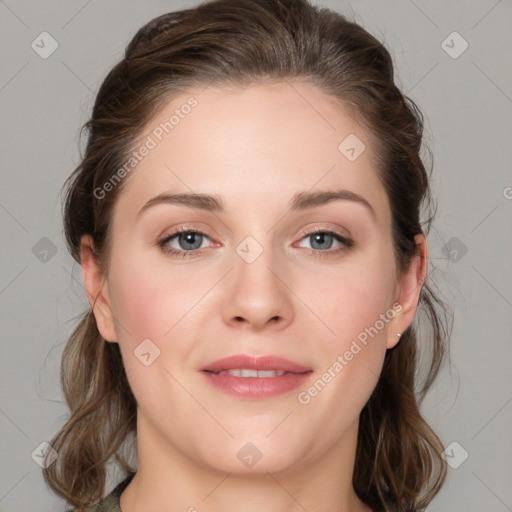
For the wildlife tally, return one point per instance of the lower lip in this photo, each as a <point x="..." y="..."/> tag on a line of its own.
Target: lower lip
<point x="256" y="387"/>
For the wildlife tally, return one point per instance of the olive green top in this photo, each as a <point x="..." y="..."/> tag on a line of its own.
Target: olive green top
<point x="111" y="502"/>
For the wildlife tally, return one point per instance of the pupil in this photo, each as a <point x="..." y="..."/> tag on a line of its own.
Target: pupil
<point x="320" y="237"/>
<point x="189" y="239"/>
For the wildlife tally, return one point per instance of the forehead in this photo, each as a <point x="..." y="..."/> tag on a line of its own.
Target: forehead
<point x="253" y="145"/>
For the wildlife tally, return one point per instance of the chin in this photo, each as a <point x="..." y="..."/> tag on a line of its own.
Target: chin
<point x="255" y="464"/>
<point x="255" y="454"/>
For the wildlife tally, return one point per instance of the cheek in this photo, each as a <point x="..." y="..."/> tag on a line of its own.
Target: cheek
<point x="151" y="307"/>
<point x="151" y="303"/>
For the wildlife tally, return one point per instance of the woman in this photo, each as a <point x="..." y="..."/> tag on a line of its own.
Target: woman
<point x="247" y="218"/>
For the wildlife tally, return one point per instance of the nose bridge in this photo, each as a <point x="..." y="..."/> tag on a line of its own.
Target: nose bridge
<point x="256" y="292"/>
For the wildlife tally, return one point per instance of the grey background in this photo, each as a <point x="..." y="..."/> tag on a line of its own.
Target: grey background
<point x="468" y="105"/>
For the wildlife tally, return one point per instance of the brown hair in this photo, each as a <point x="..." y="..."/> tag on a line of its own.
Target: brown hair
<point x="399" y="463"/>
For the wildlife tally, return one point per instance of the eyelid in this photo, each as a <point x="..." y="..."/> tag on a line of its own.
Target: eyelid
<point x="183" y="228"/>
<point x="324" y="229"/>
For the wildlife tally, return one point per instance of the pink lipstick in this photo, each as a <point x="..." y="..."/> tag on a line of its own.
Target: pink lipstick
<point x="253" y="377"/>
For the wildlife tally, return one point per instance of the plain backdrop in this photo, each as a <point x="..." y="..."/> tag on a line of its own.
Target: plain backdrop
<point x="452" y="58"/>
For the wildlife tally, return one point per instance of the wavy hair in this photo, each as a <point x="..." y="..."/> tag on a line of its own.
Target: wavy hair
<point x="399" y="464"/>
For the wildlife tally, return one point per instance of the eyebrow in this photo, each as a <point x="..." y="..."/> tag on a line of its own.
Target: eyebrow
<point x="301" y="201"/>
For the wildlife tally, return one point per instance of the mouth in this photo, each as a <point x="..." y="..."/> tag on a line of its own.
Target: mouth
<point x="255" y="378"/>
<point x="248" y="373"/>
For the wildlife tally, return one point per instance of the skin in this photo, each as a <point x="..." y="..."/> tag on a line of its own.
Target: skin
<point x="256" y="147"/>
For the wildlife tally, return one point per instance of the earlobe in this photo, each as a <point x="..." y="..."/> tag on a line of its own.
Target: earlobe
<point x="409" y="289"/>
<point x="96" y="286"/>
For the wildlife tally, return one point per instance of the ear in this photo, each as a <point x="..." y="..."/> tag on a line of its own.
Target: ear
<point x="408" y="291"/>
<point x="96" y="286"/>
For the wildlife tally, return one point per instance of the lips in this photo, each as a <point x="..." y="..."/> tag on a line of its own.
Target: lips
<point x="255" y="378"/>
<point x="261" y="363"/>
<point x="248" y="373"/>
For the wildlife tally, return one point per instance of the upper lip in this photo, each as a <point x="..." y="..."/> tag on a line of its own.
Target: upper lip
<point x="255" y="363"/>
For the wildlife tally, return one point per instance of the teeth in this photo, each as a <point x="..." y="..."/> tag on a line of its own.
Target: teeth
<point x="244" y="372"/>
<point x="247" y="373"/>
<point x="270" y="373"/>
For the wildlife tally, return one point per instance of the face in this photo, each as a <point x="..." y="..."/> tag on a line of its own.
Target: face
<point x="264" y="273"/>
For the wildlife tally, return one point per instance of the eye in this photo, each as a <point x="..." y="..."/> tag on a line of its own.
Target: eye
<point x="321" y="241"/>
<point x="189" y="242"/>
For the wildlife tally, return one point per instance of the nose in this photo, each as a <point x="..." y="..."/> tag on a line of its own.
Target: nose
<point x="256" y="295"/>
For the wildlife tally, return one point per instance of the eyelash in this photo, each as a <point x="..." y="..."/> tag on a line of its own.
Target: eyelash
<point x="346" y="243"/>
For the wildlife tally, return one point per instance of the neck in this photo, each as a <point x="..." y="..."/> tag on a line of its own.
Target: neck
<point x="168" y="479"/>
